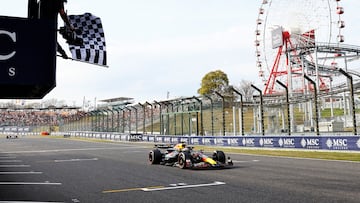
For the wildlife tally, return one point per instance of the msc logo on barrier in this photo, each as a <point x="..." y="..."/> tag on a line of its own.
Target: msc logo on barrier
<point x="250" y="142"/>
<point x="287" y="142"/>
<point x="266" y="142"/>
<point x="310" y="143"/>
<point x="337" y="143"/>
<point x="233" y="141"/>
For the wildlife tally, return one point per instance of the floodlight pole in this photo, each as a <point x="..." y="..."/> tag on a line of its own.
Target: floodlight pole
<point x="316" y="105"/>
<point x="287" y="105"/>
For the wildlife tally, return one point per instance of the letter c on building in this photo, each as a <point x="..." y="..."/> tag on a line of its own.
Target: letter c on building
<point x="12" y="35"/>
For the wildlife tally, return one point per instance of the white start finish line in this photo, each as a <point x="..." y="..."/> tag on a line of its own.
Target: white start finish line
<point x="182" y="186"/>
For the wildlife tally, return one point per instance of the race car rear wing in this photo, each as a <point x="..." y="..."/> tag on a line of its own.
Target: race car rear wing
<point x="164" y="146"/>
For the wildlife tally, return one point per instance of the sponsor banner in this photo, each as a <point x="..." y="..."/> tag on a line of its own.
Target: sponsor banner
<point x="290" y="142"/>
<point x="175" y="139"/>
<point x="151" y="138"/>
<point x="14" y="129"/>
<point x="341" y="143"/>
<point x="308" y="142"/>
<point x="136" y="137"/>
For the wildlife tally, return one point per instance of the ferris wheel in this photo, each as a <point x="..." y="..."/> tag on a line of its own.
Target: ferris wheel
<point x="282" y="26"/>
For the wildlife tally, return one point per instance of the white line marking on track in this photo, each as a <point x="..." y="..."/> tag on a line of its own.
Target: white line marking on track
<point x="21" y="173"/>
<point x="28" y="183"/>
<point x="10" y="161"/>
<point x="26" y="202"/>
<point x="7" y="157"/>
<point x="67" y="150"/>
<point x="13" y="166"/>
<point x="235" y="161"/>
<point x="73" y="160"/>
<point x="130" y="152"/>
<point x="182" y="186"/>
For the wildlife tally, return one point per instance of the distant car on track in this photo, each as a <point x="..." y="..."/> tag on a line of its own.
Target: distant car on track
<point x="183" y="156"/>
<point x="11" y="137"/>
<point x="45" y="133"/>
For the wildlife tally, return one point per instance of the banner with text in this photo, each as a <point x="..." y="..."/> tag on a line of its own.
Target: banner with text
<point x="307" y="142"/>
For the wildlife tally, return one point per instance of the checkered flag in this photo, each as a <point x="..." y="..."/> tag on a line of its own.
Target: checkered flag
<point x="90" y="31"/>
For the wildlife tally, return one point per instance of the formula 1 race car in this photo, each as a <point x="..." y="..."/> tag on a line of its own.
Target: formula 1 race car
<point x="11" y="137"/>
<point x="183" y="156"/>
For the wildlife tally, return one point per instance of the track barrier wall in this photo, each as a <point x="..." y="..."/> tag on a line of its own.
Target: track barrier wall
<point x="336" y="143"/>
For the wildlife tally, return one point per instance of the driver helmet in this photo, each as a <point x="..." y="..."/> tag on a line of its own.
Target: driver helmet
<point x="180" y="146"/>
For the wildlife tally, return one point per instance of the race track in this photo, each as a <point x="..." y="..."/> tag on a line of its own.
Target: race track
<point x="66" y="170"/>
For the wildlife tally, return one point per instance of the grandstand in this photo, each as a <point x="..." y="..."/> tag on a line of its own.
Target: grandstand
<point x="116" y="102"/>
<point x="36" y="119"/>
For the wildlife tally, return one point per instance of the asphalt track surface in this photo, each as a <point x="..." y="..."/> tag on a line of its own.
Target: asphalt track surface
<point x="67" y="170"/>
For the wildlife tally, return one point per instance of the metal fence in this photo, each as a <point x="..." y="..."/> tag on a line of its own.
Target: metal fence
<point x="216" y="115"/>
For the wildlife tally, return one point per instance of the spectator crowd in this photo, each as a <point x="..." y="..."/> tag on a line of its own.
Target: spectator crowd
<point x="37" y="118"/>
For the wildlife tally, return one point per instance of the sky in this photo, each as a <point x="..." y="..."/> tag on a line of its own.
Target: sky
<point x="161" y="49"/>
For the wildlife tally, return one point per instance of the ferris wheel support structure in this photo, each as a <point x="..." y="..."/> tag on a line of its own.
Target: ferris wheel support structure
<point x="317" y="17"/>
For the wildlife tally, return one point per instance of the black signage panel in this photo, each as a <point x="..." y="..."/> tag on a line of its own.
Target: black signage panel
<point x="27" y="58"/>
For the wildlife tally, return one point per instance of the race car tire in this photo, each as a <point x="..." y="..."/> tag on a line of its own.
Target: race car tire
<point x="155" y="156"/>
<point x="183" y="156"/>
<point x="219" y="156"/>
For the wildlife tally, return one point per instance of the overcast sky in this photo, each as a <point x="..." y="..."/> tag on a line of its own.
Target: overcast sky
<point x="163" y="48"/>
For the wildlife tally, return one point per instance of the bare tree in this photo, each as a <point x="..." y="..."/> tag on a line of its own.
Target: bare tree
<point x="246" y="90"/>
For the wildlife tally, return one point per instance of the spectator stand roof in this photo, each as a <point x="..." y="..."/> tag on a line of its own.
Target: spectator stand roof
<point x="117" y="102"/>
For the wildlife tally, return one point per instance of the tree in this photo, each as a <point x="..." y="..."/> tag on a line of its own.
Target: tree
<point x="246" y="90"/>
<point x="214" y="81"/>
